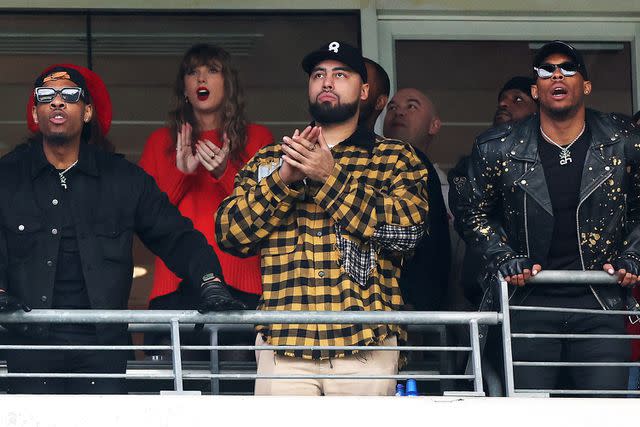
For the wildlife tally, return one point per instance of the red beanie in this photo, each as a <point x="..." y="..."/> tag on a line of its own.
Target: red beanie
<point x="94" y="85"/>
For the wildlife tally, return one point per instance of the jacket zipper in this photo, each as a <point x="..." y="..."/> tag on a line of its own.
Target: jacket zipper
<point x="526" y="230"/>
<point x="526" y="225"/>
<point x="580" y="246"/>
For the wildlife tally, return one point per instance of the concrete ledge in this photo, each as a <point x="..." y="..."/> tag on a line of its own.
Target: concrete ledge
<point x="171" y="410"/>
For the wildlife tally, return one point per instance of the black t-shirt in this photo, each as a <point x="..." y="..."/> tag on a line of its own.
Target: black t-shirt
<point x="69" y="289"/>
<point x="563" y="184"/>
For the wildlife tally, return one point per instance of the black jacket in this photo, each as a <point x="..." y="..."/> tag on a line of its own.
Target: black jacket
<point x="111" y="200"/>
<point x="507" y="209"/>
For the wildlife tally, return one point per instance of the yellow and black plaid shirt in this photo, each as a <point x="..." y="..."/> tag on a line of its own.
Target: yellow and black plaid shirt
<point x="335" y="246"/>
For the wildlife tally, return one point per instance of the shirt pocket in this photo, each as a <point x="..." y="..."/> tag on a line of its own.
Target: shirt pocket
<point x="22" y="234"/>
<point x="284" y="239"/>
<point x="115" y="240"/>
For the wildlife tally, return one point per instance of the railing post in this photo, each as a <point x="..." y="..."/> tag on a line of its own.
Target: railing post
<point x="214" y="364"/>
<point x="506" y="338"/>
<point x="475" y="356"/>
<point x="176" y="355"/>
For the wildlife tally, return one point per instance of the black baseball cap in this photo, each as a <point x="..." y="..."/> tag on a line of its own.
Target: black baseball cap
<point x="521" y="83"/>
<point x="340" y="51"/>
<point x="558" y="46"/>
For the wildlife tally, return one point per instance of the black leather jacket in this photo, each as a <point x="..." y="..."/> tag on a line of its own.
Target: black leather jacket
<point x="508" y="212"/>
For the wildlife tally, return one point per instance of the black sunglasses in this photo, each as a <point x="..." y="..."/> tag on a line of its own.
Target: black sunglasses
<point x="545" y="71"/>
<point x="48" y="94"/>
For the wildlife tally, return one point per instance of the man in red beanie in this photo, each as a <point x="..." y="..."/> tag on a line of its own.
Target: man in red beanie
<point x="68" y="212"/>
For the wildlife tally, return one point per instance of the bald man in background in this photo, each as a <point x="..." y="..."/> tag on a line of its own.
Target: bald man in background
<point x="411" y="117"/>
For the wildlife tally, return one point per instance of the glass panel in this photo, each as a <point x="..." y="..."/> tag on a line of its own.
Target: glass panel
<point x="463" y="79"/>
<point x="137" y="55"/>
<point x="29" y="43"/>
<point x="267" y="50"/>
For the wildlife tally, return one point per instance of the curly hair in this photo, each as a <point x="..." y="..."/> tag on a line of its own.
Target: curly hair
<point x="234" y="122"/>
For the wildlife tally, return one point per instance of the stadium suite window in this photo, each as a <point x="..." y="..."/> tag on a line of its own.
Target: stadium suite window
<point x="465" y="80"/>
<point x="138" y="54"/>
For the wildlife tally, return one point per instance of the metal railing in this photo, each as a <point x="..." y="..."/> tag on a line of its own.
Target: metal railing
<point x="559" y="278"/>
<point x="140" y="320"/>
<point x="174" y="321"/>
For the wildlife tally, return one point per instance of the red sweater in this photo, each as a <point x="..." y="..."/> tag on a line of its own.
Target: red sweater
<point x="197" y="197"/>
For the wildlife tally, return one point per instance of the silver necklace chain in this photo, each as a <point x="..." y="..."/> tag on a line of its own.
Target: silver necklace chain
<point x="63" y="179"/>
<point x="565" y="153"/>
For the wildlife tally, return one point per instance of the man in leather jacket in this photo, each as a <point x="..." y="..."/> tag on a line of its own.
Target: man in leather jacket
<point x="68" y="213"/>
<point x="559" y="191"/>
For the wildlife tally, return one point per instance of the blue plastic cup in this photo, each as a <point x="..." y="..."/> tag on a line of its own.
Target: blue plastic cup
<point x="412" y="387"/>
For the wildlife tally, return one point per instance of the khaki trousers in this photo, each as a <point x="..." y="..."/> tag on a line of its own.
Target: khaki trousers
<point x="361" y="363"/>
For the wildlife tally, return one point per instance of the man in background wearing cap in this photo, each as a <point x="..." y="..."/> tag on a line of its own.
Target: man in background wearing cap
<point x="514" y="104"/>
<point x="68" y="211"/>
<point x="514" y="101"/>
<point x="379" y="88"/>
<point x="331" y="211"/>
<point x="560" y="191"/>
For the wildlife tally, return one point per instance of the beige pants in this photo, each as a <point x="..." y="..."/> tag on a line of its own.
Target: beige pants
<point x="362" y="363"/>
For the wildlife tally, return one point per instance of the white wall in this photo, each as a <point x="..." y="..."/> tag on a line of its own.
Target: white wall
<point x="162" y="411"/>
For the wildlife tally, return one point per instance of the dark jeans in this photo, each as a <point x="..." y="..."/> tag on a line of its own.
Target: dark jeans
<point x="569" y="350"/>
<point x="185" y="298"/>
<point x="67" y="361"/>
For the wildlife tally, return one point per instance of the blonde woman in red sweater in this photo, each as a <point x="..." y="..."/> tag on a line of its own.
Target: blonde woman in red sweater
<point x="195" y="159"/>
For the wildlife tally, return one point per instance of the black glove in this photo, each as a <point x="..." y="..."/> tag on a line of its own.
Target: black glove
<point x="631" y="265"/>
<point x="514" y="266"/>
<point x="215" y="296"/>
<point x="9" y="303"/>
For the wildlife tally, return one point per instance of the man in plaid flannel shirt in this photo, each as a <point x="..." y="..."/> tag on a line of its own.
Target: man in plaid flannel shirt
<point x="331" y="210"/>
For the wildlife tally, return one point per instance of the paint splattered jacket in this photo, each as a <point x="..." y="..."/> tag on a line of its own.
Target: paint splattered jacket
<point x="508" y="212"/>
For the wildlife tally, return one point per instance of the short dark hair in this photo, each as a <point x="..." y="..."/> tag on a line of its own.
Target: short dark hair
<point x="385" y="83"/>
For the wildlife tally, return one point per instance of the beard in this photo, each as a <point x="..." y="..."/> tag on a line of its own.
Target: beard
<point x="325" y="113"/>
<point x="502" y="115"/>
<point x="562" y="113"/>
<point x="57" y="139"/>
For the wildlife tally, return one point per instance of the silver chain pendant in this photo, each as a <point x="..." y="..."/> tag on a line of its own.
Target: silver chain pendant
<point x="565" y="154"/>
<point x="63" y="179"/>
<point x="565" y="157"/>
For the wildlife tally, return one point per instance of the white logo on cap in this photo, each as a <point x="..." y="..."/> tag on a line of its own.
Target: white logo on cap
<point x="334" y="46"/>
